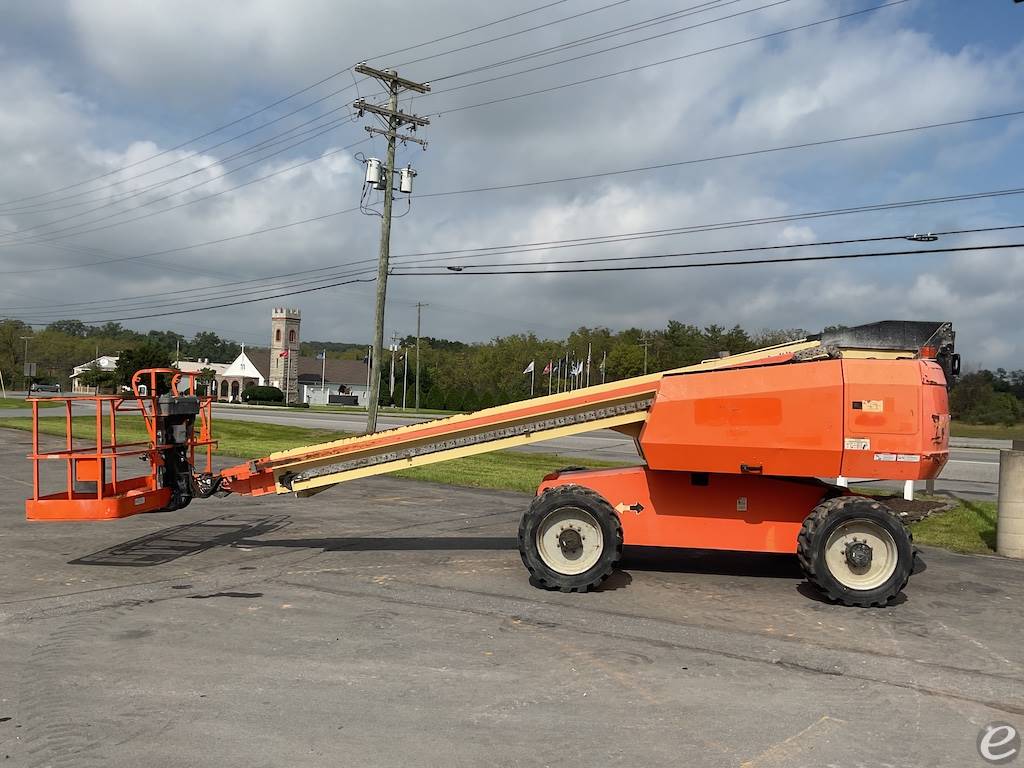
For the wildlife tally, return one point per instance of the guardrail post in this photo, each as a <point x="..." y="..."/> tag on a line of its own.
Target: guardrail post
<point x="1010" y="517"/>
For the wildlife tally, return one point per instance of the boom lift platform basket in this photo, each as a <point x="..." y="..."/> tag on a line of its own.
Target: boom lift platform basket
<point x="95" y="487"/>
<point x="733" y="448"/>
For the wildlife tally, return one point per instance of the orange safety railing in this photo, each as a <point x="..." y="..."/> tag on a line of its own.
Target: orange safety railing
<point x="89" y="494"/>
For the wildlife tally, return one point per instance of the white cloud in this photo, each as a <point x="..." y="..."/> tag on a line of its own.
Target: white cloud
<point x="149" y="75"/>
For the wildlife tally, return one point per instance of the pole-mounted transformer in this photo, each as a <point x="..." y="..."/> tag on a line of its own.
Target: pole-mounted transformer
<point x="405" y="179"/>
<point x="373" y="173"/>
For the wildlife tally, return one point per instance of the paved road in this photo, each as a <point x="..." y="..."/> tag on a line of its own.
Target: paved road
<point x="390" y="623"/>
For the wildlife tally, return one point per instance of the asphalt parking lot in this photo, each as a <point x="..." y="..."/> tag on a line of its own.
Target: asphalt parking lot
<point x="390" y="623"/>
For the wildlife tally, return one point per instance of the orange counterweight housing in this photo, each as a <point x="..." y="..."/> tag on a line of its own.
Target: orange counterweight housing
<point x="880" y="419"/>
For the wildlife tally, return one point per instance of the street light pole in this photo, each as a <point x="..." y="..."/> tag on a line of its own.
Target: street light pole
<point x="419" y="308"/>
<point x="405" y="375"/>
<point x="24" y="370"/>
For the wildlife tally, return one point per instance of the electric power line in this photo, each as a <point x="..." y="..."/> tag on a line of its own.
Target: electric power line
<point x="689" y="229"/>
<point x="745" y="262"/>
<point x="70" y="309"/>
<point x="513" y="34"/>
<point x="50" y="235"/>
<point x="716" y="252"/>
<point x="177" y="307"/>
<point x="706" y="264"/>
<point x="603" y="50"/>
<point x="666" y="61"/>
<point x="120" y="182"/>
<point x="661" y="166"/>
<point x="467" y="31"/>
<point x="273" y="104"/>
<point x="311" y="134"/>
<point x="729" y="156"/>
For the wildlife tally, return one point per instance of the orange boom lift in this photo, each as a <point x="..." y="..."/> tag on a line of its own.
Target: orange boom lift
<point x="734" y="453"/>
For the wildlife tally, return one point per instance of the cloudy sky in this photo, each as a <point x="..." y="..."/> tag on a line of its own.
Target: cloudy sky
<point x="105" y="105"/>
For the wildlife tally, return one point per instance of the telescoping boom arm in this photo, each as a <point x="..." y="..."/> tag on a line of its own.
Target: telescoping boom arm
<point x="624" y="406"/>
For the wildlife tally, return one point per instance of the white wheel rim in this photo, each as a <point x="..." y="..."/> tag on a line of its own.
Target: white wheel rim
<point x="569" y="541"/>
<point x="842" y="561"/>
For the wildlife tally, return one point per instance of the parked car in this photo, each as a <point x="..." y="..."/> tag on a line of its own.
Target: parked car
<point x="43" y="390"/>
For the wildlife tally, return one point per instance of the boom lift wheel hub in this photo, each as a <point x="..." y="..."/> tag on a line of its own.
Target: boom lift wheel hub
<point x="861" y="554"/>
<point x="569" y="540"/>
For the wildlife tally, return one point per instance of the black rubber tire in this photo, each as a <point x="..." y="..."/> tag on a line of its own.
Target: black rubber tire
<point x="554" y="499"/>
<point x="177" y="502"/>
<point x="817" y="528"/>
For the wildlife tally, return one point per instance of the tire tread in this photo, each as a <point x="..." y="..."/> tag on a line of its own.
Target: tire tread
<point x="812" y="566"/>
<point x="570" y="493"/>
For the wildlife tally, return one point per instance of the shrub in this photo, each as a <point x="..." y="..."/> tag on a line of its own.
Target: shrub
<point x="263" y="395"/>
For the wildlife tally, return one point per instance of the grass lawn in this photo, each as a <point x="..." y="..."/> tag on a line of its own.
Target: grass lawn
<point x="19" y="402"/>
<point x="970" y="526"/>
<point x="505" y="470"/>
<point x="991" y="431"/>
<point x="237" y="438"/>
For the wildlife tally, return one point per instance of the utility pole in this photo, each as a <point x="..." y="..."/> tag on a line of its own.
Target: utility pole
<point x="393" y="119"/>
<point x="645" y="342"/>
<point x="419" y="306"/>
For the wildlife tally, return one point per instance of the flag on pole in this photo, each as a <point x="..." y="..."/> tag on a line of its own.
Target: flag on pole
<point x="577" y="369"/>
<point x="283" y="354"/>
<point x="549" y="368"/>
<point x="321" y="355"/>
<point x="530" y="370"/>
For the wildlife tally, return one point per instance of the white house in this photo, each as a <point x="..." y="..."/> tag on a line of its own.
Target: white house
<point x="104" y="363"/>
<point x="230" y="379"/>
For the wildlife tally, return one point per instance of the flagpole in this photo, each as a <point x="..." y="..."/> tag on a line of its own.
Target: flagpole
<point x="604" y="366"/>
<point x="405" y="378"/>
<point x="551" y="372"/>
<point x="532" y="374"/>
<point x="323" y="372"/>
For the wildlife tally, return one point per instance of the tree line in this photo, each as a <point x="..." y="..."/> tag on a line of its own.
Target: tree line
<point x="462" y="376"/>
